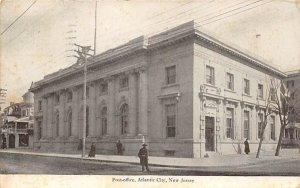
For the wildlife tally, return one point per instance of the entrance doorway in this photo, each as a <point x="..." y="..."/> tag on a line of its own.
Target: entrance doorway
<point x="11" y="139"/>
<point x="209" y="133"/>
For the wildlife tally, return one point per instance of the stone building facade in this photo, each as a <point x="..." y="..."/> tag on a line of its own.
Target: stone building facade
<point x="182" y="91"/>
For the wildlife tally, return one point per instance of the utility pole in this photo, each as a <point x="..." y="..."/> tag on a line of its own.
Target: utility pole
<point x="95" y="34"/>
<point x="83" y="53"/>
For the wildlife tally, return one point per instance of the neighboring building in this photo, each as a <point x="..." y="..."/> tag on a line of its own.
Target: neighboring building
<point x="17" y="127"/>
<point x="184" y="91"/>
<point x="292" y="131"/>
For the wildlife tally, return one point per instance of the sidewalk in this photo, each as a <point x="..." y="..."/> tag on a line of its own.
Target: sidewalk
<point x="213" y="161"/>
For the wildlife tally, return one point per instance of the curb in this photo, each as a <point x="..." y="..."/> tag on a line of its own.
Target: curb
<point x="127" y="162"/>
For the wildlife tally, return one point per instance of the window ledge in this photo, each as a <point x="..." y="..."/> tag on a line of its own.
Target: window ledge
<point x="210" y="85"/>
<point x="229" y="90"/>
<point x="259" y="98"/>
<point x="171" y="138"/>
<point x="170" y="85"/>
<point x="247" y="95"/>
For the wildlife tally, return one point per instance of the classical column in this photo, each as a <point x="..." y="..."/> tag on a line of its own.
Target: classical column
<point x="143" y="102"/>
<point x="237" y="122"/>
<point x="62" y="102"/>
<point x="50" y="116"/>
<point x="254" y="124"/>
<point x="218" y="126"/>
<point x="202" y="126"/>
<point x="132" y="104"/>
<point x="75" y="110"/>
<point x="92" y="110"/>
<point x="45" y="117"/>
<point x="111" y="107"/>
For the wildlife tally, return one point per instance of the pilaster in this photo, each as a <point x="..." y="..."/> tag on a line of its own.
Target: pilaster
<point x="92" y="110"/>
<point x="50" y="116"/>
<point x="111" y="129"/>
<point x="143" y="101"/>
<point x="132" y="104"/>
<point x="62" y="102"/>
<point x="75" y="112"/>
<point x="45" y="117"/>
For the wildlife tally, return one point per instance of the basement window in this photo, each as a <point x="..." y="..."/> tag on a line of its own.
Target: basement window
<point x="169" y="153"/>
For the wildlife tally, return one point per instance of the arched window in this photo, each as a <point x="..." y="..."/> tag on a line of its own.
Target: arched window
<point x="69" y="123"/>
<point x="57" y="124"/>
<point x="104" y="120"/>
<point x="124" y="119"/>
<point x="69" y="96"/>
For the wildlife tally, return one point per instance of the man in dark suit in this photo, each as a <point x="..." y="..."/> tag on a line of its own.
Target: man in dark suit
<point x="143" y="155"/>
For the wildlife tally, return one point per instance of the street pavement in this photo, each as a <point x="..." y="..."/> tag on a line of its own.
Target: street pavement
<point x="28" y="162"/>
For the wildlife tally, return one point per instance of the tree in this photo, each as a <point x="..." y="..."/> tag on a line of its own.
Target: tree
<point x="285" y="106"/>
<point x="266" y="113"/>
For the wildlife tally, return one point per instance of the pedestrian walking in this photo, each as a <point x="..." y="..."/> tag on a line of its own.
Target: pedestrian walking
<point x="247" y="149"/>
<point x="92" y="152"/>
<point x="119" y="148"/>
<point x="143" y="155"/>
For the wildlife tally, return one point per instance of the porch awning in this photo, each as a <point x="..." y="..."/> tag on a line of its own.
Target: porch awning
<point x="25" y="120"/>
<point x="293" y="125"/>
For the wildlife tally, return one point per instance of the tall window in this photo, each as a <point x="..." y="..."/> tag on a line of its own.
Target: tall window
<point x="171" y="74"/>
<point x="292" y="96"/>
<point x="69" y="96"/>
<point x="69" y="122"/>
<point x="87" y="92"/>
<point x="57" y="124"/>
<point x="104" y="120"/>
<point x="103" y="88"/>
<point x="123" y="82"/>
<point x="210" y="75"/>
<point x="286" y="133"/>
<point x="246" y="86"/>
<point x="39" y="130"/>
<point x="272" y="94"/>
<point x="290" y="83"/>
<point x="39" y="105"/>
<point x="260" y="125"/>
<point x="56" y="98"/>
<point x="246" y="124"/>
<point x="229" y="123"/>
<point x="272" y="125"/>
<point x="170" y="110"/>
<point x="124" y="119"/>
<point x="230" y="81"/>
<point x="260" y="91"/>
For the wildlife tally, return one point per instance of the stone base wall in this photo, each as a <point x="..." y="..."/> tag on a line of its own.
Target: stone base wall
<point x="105" y="146"/>
<point x="131" y="146"/>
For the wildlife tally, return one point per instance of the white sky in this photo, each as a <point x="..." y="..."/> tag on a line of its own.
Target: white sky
<point x="37" y="43"/>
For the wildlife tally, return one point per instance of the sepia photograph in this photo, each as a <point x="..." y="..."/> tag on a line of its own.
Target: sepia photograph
<point x="176" y="93"/>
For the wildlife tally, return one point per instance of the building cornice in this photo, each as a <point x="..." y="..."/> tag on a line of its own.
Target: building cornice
<point x="142" y="44"/>
<point x="210" y="41"/>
